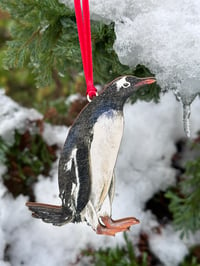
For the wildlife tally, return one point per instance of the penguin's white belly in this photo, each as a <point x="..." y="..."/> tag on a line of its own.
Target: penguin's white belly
<point x="105" y="145"/>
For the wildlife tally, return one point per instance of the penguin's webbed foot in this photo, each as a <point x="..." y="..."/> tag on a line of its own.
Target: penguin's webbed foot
<point x="111" y="227"/>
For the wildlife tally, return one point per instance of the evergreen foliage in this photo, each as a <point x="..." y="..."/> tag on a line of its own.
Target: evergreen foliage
<point x="190" y="261"/>
<point x="185" y="200"/>
<point x="3" y="150"/>
<point x="44" y="39"/>
<point x="119" y="256"/>
<point x="37" y="31"/>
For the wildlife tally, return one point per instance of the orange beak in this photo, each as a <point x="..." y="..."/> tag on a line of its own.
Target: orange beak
<point x="147" y="81"/>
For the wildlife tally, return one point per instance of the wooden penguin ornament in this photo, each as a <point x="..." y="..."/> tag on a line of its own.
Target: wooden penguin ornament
<point x="86" y="166"/>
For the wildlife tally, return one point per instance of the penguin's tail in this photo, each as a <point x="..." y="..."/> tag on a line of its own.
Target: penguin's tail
<point x="57" y="215"/>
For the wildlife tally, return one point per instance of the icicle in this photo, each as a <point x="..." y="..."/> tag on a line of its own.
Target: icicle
<point x="186" y="119"/>
<point x="186" y="110"/>
<point x="177" y="94"/>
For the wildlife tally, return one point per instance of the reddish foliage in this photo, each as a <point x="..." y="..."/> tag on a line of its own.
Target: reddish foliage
<point x="24" y="163"/>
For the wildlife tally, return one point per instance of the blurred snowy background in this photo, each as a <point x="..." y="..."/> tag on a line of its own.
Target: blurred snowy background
<point x="165" y="37"/>
<point x="143" y="168"/>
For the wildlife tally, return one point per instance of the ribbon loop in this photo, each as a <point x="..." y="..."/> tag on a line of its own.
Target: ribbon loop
<point x="84" y="34"/>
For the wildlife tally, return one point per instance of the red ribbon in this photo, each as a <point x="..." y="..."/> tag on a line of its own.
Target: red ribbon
<point x="84" y="34"/>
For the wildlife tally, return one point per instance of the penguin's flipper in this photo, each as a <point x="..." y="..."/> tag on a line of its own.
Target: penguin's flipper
<point x="54" y="214"/>
<point x="74" y="177"/>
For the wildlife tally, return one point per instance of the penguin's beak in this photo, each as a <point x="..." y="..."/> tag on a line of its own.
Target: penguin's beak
<point x="145" y="81"/>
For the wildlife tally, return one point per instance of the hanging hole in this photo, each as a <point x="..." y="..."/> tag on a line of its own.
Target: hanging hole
<point x="89" y="99"/>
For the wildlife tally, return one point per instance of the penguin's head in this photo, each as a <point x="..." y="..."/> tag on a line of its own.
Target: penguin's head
<point x="123" y="87"/>
<point x="129" y="84"/>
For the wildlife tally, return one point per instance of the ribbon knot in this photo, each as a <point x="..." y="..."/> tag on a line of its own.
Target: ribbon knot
<point x="84" y="34"/>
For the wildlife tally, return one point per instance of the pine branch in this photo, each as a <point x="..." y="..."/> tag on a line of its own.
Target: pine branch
<point x="44" y="38"/>
<point x="185" y="200"/>
<point x="36" y="31"/>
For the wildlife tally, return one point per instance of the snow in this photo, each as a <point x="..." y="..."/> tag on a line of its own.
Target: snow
<point x="143" y="168"/>
<point x="51" y="136"/>
<point x="168" y="242"/>
<point x="162" y="35"/>
<point x="11" y="113"/>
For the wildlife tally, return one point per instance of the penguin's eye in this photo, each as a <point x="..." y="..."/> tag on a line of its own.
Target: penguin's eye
<point x="122" y="83"/>
<point x="126" y="84"/>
